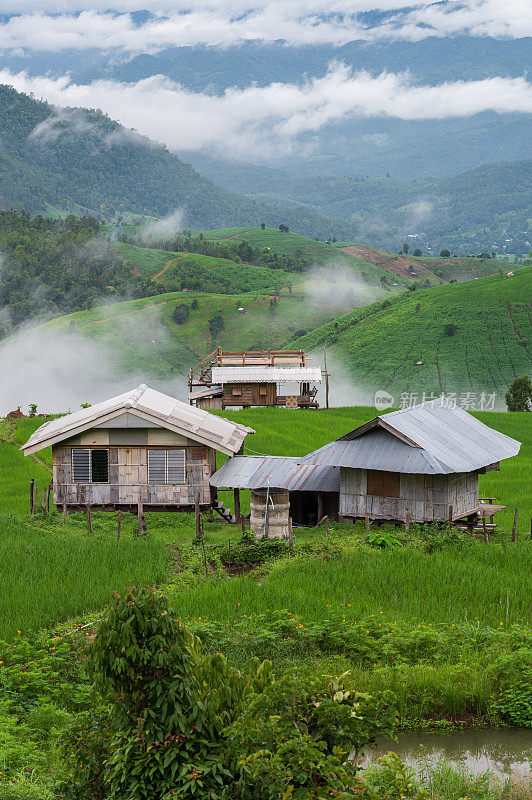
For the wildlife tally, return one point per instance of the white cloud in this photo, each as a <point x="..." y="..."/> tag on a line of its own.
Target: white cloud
<point x="106" y="26"/>
<point x="271" y="119"/>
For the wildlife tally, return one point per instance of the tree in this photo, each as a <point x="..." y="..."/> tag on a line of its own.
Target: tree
<point x="445" y="253"/>
<point x="216" y="325"/>
<point x="405" y="248"/>
<point x="283" y="228"/>
<point x="262" y="225"/>
<point x="194" y="304"/>
<point x="417" y="252"/>
<point x="450" y="329"/>
<point x="181" y="314"/>
<point x="519" y="395"/>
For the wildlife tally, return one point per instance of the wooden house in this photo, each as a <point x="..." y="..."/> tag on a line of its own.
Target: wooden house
<point x="142" y="448"/>
<point x="254" y="378"/>
<point x="420" y="464"/>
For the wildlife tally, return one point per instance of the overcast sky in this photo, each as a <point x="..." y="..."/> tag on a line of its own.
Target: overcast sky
<point x="239" y="121"/>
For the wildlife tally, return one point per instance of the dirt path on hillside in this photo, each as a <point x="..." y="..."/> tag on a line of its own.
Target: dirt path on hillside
<point x="168" y="264"/>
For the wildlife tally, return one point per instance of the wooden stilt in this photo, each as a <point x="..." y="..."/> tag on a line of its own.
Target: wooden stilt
<point x="366" y="519"/>
<point x="290" y="534"/>
<point x="142" y="518"/>
<point x="407" y="520"/>
<point x="32" y="484"/>
<point x="50" y="487"/>
<point x="43" y="502"/>
<point x="197" y="515"/>
<point x="320" y="507"/>
<point x="486" y="537"/>
<point x="236" y="496"/>
<point x="64" y="512"/>
<point x="89" y="518"/>
<point x="450" y="515"/>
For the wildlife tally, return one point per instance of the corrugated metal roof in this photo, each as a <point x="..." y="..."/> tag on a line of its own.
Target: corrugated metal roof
<point x="266" y="374"/>
<point x="277" y="472"/>
<point x="157" y="409"/>
<point x="441" y="439"/>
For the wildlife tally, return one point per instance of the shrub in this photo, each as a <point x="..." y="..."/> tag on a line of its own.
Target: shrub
<point x="180" y="314"/>
<point x="450" y="329"/>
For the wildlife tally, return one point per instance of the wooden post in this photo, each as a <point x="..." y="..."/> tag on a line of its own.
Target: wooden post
<point x="486" y="537"/>
<point x="89" y="518"/>
<point x="290" y="534"/>
<point x="32" y="484"/>
<point x="366" y="518"/>
<point x="119" y="525"/>
<point x="197" y="515"/>
<point x="50" y="487"/>
<point x="326" y="380"/>
<point x="236" y="496"/>
<point x="34" y="500"/>
<point x="450" y="515"/>
<point x="142" y="518"/>
<point x="514" y="529"/>
<point x="407" y="520"/>
<point x="64" y="512"/>
<point x="203" y="545"/>
<point x="229" y="557"/>
<point x="320" y="507"/>
<point x="43" y="502"/>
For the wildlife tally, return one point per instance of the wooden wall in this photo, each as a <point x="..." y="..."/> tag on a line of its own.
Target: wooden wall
<point x="128" y="479"/>
<point x="249" y="394"/>
<point x="427" y="497"/>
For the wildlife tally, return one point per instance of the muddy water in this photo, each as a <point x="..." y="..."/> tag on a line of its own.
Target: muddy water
<point x="505" y="752"/>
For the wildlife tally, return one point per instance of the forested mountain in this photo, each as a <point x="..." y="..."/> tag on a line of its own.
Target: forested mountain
<point x="482" y="209"/>
<point x="78" y="159"/>
<point x="52" y="266"/>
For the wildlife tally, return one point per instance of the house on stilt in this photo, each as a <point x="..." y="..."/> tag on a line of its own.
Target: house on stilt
<point x="140" y="449"/>
<point x="420" y="464"/>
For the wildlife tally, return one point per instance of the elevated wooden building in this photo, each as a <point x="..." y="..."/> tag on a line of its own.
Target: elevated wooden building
<point x="140" y="449"/>
<point x="254" y="378"/>
<point x="420" y="464"/>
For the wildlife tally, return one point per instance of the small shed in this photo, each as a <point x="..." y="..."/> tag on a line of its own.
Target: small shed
<point x="423" y="461"/>
<point x="140" y="448"/>
<point x="254" y="378"/>
<point x="281" y="487"/>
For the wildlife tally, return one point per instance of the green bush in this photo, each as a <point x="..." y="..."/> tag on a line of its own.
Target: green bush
<point x="246" y="554"/>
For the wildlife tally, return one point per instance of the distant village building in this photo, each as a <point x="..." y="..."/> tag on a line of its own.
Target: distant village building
<point x="419" y="464"/>
<point x="140" y="449"/>
<point x="254" y="378"/>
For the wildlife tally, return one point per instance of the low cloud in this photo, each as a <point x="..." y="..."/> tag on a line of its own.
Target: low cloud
<point x="59" y="25"/>
<point x="72" y="368"/>
<point x="334" y="286"/>
<point x="70" y="121"/>
<point x="164" y="228"/>
<point x="271" y="119"/>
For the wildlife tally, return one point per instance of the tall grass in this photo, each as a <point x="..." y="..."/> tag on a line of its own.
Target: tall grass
<point x="50" y="572"/>
<point x="491" y="585"/>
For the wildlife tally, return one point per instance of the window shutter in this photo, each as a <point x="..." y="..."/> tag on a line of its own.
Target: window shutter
<point x="81" y="466"/>
<point x="99" y="466"/>
<point x="175" y="466"/>
<point x="156" y="466"/>
<point x="383" y="484"/>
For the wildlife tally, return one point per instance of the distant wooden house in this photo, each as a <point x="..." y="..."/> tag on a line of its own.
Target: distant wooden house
<point x="420" y="464"/>
<point x="254" y="378"/>
<point x="142" y="448"/>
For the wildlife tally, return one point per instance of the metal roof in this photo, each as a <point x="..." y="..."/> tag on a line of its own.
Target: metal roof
<point x="157" y="409"/>
<point x="277" y="472"/>
<point x="266" y="374"/>
<point x="433" y="438"/>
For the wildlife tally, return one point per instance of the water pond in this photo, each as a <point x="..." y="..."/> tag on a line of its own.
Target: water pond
<point x="505" y="751"/>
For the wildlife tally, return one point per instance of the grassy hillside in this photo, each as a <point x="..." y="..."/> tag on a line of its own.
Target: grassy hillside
<point x="141" y="337"/>
<point x="291" y="243"/>
<point x="487" y="344"/>
<point x="194" y="271"/>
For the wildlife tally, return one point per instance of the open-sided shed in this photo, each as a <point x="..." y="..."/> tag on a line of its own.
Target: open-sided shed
<point x="140" y="448"/>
